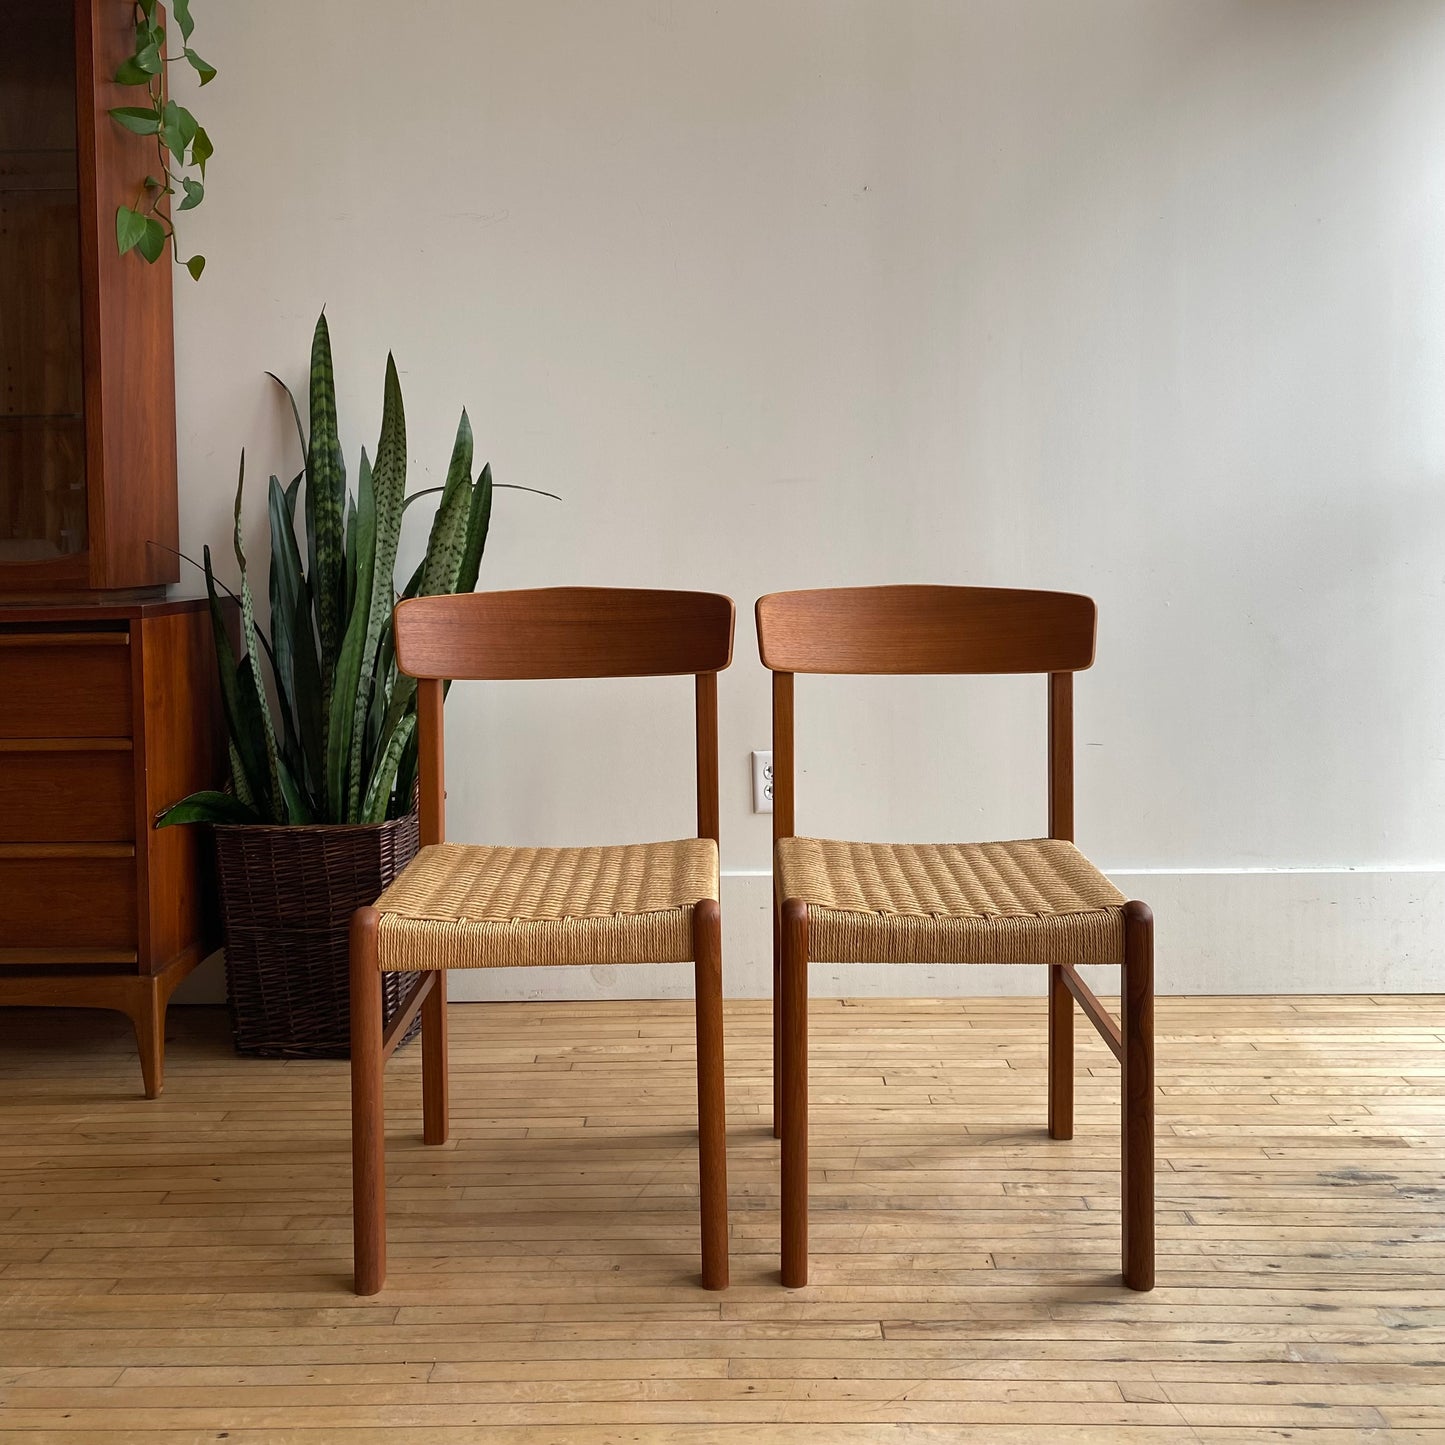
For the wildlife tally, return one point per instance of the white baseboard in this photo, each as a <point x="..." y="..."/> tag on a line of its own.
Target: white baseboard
<point x="1217" y="932"/>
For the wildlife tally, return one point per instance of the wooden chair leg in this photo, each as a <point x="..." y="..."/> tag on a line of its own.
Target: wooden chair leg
<point x="1061" y="1056"/>
<point x="148" y="1018"/>
<point x="777" y="1024"/>
<point x="711" y="1099"/>
<point x="1138" y="1097"/>
<point x="368" y="1110"/>
<point x="794" y="968"/>
<point x="434" y="1103"/>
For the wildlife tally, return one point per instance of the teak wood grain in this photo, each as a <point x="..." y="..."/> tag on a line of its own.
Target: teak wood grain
<point x="56" y="686"/>
<point x="567" y="632"/>
<point x="48" y="796"/>
<point x="110" y="715"/>
<point x="128" y="433"/>
<point x="126" y="306"/>
<point x="176" y="1272"/>
<point x="924" y="629"/>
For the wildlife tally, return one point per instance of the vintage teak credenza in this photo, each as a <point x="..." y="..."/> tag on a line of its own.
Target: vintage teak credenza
<point x="107" y="689"/>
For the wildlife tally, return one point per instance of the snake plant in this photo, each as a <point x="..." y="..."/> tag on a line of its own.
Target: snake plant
<point x="333" y="737"/>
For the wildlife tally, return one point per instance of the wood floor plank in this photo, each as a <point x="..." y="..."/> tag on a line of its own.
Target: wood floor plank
<point x="176" y="1271"/>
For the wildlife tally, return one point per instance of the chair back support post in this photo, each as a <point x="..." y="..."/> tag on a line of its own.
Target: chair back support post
<point x="928" y="630"/>
<point x="707" y="765"/>
<point x="563" y="632"/>
<point x="1061" y="756"/>
<point x="783" y="788"/>
<point x="431" y="751"/>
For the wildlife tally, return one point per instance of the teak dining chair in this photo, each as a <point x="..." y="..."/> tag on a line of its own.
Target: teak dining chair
<point x="459" y="906"/>
<point x="1035" y="901"/>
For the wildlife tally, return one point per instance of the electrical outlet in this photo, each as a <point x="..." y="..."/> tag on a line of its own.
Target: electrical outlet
<point x="763" y="782"/>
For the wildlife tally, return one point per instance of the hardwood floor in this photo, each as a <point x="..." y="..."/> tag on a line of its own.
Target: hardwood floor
<point x="179" y="1271"/>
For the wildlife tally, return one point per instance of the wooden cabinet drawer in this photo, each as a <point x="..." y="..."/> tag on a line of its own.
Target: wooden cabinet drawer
<point x="65" y="685"/>
<point x="67" y="899"/>
<point x="55" y="791"/>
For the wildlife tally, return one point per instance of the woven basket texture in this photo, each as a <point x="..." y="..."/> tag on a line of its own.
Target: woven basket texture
<point x="287" y="896"/>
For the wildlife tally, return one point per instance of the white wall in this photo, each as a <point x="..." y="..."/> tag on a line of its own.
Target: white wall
<point x="1138" y="298"/>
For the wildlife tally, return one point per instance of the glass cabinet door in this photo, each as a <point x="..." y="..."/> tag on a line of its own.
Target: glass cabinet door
<point x="42" y="426"/>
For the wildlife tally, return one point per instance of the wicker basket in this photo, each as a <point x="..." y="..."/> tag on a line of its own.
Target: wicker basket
<point x="287" y="896"/>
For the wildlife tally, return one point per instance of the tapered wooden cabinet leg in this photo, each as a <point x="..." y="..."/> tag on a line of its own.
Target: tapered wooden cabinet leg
<point x="1138" y="1097"/>
<point x="434" y="1103"/>
<point x="794" y="928"/>
<point x="1061" y="1056"/>
<point x="368" y="1122"/>
<point x="711" y="1095"/>
<point x="148" y="1017"/>
<point x="777" y="1024"/>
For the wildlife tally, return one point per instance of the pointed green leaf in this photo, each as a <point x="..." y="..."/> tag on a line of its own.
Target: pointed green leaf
<point x="298" y="811"/>
<point x="325" y="509"/>
<point x="136" y="118"/>
<point x="383" y="780"/>
<point x="195" y="265"/>
<point x="208" y="807"/>
<point x="201" y="149"/>
<point x="346" y="687"/>
<point x="378" y="599"/>
<point x="206" y="71"/>
<point x="253" y="651"/>
<point x="295" y="412"/>
<point x="195" y="194"/>
<point x="178" y="129"/>
<point x="446" y="545"/>
<point x="181" y="9"/>
<point x="238" y="778"/>
<point x="285" y="585"/>
<point x="310" y="720"/>
<point x="350" y="555"/>
<point x="131" y="72"/>
<point x="478" y="524"/>
<point x="248" y="762"/>
<point x="153" y="240"/>
<point x="130" y="226"/>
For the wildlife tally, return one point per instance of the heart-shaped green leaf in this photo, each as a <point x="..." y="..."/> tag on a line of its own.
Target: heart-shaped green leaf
<point x="137" y="118"/>
<point x="175" y="123"/>
<point x="195" y="194"/>
<point x="195" y="266"/>
<point x="206" y="71"/>
<point x="130" y="226"/>
<point x="130" y="73"/>
<point x="153" y="240"/>
<point x="201" y="149"/>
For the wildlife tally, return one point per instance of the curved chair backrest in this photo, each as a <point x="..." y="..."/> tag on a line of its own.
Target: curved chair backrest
<point x="925" y="630"/>
<point x="564" y="632"/>
<point x="915" y="629"/>
<point x="556" y="632"/>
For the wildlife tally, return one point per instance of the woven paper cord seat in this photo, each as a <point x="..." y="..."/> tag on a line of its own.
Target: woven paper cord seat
<point x="458" y="906"/>
<point x="1038" y="900"/>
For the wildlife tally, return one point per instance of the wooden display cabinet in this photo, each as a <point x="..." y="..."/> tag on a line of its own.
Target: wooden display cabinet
<point x="108" y="706"/>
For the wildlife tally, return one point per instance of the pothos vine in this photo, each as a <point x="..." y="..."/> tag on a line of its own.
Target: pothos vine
<point x="181" y="144"/>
